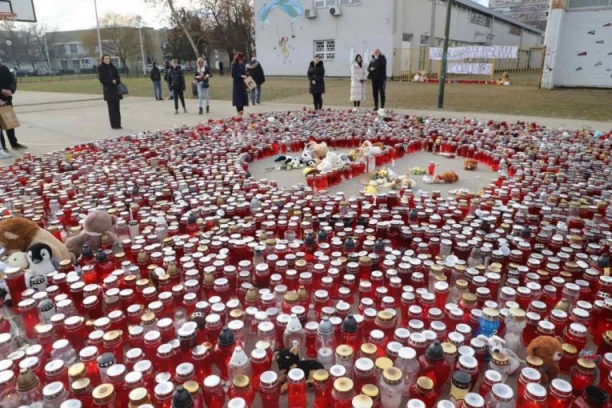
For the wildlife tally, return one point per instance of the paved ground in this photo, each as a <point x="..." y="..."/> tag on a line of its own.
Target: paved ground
<point x="53" y="121"/>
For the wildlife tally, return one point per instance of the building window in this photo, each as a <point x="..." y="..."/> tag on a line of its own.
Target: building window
<point x="324" y="3"/>
<point x="480" y="19"/>
<point x="424" y="40"/>
<point x="407" y="37"/>
<point x="74" y="48"/>
<point x="514" y="30"/>
<point x="115" y="62"/>
<point x="349" y="2"/>
<point x="325" y="49"/>
<point x="589" y="3"/>
<point x="85" y="63"/>
<point x="64" y="64"/>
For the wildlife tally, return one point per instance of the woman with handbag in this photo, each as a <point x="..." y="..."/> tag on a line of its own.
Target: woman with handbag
<point x="240" y="97"/>
<point x="202" y="75"/>
<point x="109" y="78"/>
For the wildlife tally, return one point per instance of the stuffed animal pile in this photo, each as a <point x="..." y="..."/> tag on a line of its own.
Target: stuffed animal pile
<point x="470" y="164"/>
<point x="389" y="179"/>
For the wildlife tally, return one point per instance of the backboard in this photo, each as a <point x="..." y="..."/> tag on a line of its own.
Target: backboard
<point x="18" y="10"/>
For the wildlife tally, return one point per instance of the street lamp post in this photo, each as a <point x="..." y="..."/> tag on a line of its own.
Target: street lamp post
<point x="144" y="63"/>
<point x="98" y="28"/>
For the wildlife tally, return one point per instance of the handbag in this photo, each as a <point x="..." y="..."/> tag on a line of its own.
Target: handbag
<point x="122" y="89"/>
<point x="8" y="119"/>
<point x="250" y="83"/>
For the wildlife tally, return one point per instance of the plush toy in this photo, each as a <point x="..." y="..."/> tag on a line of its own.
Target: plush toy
<point x="290" y="162"/>
<point x="549" y="349"/>
<point x="496" y="344"/>
<point x="18" y="234"/>
<point x="306" y="156"/>
<point x="331" y="161"/>
<point x="470" y="164"/>
<point x="318" y="150"/>
<point x="40" y="257"/>
<point x="95" y="225"/>
<point x="369" y="149"/>
<point x="289" y="358"/>
<point x="504" y="80"/>
<point x="18" y="260"/>
<point x="403" y="181"/>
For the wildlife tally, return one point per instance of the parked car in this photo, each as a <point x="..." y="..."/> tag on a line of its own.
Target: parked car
<point x="19" y="73"/>
<point x="46" y="72"/>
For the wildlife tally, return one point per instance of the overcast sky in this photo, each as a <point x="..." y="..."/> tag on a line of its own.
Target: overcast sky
<point x="79" y="14"/>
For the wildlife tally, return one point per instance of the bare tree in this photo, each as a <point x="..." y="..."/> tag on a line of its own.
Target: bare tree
<point x="176" y="17"/>
<point x="45" y="41"/>
<point x="119" y="37"/>
<point x="232" y="22"/>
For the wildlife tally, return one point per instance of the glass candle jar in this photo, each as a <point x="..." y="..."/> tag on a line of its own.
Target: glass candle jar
<point x="582" y="376"/>
<point x="391" y="386"/>
<point x="559" y="394"/>
<point x="343" y="393"/>
<point x="104" y="396"/>
<point x="269" y="389"/>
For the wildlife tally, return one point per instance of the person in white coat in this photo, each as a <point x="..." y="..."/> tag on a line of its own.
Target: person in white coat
<point x="359" y="77"/>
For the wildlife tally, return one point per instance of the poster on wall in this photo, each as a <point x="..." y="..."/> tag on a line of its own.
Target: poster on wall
<point x="459" y="53"/>
<point x="464" y="68"/>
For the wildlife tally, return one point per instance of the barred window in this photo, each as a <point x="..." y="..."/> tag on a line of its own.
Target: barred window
<point x="325" y="49"/>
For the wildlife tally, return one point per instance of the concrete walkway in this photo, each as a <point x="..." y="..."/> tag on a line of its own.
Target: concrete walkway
<point x="51" y="121"/>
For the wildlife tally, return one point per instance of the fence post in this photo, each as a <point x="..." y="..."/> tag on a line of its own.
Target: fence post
<point x="493" y="70"/>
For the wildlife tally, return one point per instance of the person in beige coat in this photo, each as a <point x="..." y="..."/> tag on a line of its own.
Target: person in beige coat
<point x="359" y="77"/>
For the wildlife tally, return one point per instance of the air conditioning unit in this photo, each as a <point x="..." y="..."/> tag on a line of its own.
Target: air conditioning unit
<point x="311" y="13"/>
<point x="335" y="11"/>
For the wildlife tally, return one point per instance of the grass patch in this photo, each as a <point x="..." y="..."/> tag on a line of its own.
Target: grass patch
<point x="589" y="104"/>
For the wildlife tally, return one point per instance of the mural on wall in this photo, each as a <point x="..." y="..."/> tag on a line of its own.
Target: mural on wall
<point x="585" y="59"/>
<point x="293" y="8"/>
<point x="284" y="50"/>
<point x="285" y="30"/>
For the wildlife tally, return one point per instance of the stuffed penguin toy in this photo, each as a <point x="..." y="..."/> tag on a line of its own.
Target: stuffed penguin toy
<point x="41" y="260"/>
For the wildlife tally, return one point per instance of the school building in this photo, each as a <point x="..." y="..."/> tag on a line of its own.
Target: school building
<point x="290" y="32"/>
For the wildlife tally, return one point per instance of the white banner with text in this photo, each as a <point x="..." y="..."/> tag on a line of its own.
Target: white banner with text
<point x="465" y="68"/>
<point x="459" y="53"/>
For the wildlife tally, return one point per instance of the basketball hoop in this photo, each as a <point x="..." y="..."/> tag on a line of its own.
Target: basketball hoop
<point x="7" y="16"/>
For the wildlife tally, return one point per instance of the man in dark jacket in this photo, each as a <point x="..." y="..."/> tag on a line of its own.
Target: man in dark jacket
<point x="221" y="68"/>
<point x="255" y="70"/>
<point x="177" y="84"/>
<point x="167" y="78"/>
<point x="8" y="86"/>
<point x="156" y="79"/>
<point x="377" y="72"/>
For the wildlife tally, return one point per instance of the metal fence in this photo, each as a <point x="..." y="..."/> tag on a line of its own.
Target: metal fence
<point x="526" y="69"/>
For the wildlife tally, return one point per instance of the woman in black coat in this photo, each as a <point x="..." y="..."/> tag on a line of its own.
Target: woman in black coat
<point x="316" y="74"/>
<point x="109" y="78"/>
<point x="239" y="92"/>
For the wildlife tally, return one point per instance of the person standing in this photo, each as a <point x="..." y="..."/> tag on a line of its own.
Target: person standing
<point x="378" y="75"/>
<point x="221" y="68"/>
<point x="359" y="77"/>
<point x="255" y="71"/>
<point x="177" y="84"/>
<point x="109" y="78"/>
<point x="202" y="75"/>
<point x="156" y="79"/>
<point x="240" y="98"/>
<point x="8" y="86"/>
<point x="316" y="74"/>
<point x="167" y="69"/>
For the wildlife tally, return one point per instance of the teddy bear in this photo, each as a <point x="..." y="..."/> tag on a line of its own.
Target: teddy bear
<point x="96" y="224"/>
<point x="18" y="234"/>
<point x="318" y="150"/>
<point x="289" y="358"/>
<point x="470" y="164"/>
<point x="549" y="349"/>
<point x="403" y="181"/>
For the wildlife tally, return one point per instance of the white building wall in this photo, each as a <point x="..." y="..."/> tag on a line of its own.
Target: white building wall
<point x="286" y="46"/>
<point x="583" y="55"/>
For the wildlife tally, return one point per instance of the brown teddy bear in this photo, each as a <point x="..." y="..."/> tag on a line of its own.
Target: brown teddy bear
<point x="96" y="224"/>
<point x="18" y="234"/>
<point x="549" y="349"/>
<point x="470" y="164"/>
